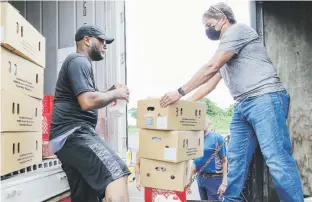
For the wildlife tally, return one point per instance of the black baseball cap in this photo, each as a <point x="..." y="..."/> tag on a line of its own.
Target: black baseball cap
<point x="92" y="31"/>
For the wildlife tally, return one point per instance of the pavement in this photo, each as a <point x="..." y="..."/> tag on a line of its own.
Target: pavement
<point x="138" y="196"/>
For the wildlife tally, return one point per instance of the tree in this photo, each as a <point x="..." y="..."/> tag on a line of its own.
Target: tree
<point x="229" y="111"/>
<point x="133" y="112"/>
<point x="212" y="108"/>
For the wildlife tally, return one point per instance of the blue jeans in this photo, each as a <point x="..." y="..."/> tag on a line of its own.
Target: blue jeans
<point x="208" y="187"/>
<point x="262" y="120"/>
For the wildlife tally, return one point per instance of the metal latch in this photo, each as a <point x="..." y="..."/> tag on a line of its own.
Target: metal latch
<point x="122" y="58"/>
<point x="12" y="193"/>
<point x="62" y="176"/>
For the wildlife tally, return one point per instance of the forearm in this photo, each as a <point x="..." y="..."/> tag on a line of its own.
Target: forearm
<point x="137" y="172"/>
<point x="192" y="171"/>
<point x="99" y="100"/>
<point x="225" y="169"/>
<point x="137" y="166"/>
<point x="109" y="89"/>
<point x="201" y="77"/>
<point x="206" y="88"/>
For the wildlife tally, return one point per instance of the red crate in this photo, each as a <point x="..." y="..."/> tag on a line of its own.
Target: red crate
<point x="66" y="200"/>
<point x="151" y="194"/>
<point x="47" y="104"/>
<point x="46" y="125"/>
<point x="46" y="150"/>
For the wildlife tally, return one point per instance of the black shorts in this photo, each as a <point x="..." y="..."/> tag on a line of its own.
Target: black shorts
<point x="90" y="165"/>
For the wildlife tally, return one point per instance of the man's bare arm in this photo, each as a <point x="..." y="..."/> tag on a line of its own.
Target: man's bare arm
<point x="97" y="100"/>
<point x="137" y="166"/>
<point x="206" y="88"/>
<point x="208" y="70"/>
<point x="225" y="170"/>
<point x="114" y="87"/>
<point x="201" y="77"/>
<point x="192" y="171"/>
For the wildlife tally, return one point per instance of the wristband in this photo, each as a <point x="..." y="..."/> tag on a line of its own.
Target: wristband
<point x="181" y="91"/>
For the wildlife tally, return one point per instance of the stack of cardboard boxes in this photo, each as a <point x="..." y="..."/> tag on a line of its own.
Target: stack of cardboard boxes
<point x="22" y="62"/>
<point x="169" y="138"/>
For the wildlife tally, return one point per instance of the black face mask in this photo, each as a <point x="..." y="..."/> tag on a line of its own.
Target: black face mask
<point x="212" y="33"/>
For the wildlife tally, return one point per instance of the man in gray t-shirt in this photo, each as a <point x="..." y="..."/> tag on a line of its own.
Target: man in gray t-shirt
<point x="261" y="108"/>
<point x="252" y="73"/>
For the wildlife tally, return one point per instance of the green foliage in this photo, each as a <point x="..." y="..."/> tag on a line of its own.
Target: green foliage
<point x="220" y="118"/>
<point x="133" y="112"/>
<point x="229" y="111"/>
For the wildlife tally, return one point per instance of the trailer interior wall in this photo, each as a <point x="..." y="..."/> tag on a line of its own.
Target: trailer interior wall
<point x="58" y="22"/>
<point x="288" y="38"/>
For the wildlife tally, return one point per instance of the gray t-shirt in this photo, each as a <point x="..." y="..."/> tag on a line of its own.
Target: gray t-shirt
<point x="250" y="72"/>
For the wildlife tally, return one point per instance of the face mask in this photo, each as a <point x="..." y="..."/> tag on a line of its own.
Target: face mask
<point x="212" y="33"/>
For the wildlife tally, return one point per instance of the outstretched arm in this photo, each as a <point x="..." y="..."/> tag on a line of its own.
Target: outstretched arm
<point x="202" y="76"/>
<point x="206" y="88"/>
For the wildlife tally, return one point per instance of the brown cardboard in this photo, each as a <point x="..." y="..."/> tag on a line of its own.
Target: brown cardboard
<point x="20" y="75"/>
<point x="20" y="150"/>
<point x="182" y="115"/>
<point x="163" y="175"/>
<point x="18" y="35"/>
<point x="171" y="146"/>
<point x="20" y="112"/>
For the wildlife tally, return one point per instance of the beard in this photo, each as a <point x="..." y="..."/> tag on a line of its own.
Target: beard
<point x="96" y="54"/>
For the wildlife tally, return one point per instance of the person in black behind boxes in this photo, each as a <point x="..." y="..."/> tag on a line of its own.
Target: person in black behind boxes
<point x="93" y="169"/>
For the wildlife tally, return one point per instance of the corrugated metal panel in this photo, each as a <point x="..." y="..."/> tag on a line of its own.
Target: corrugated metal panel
<point x="67" y="27"/>
<point x="58" y="22"/>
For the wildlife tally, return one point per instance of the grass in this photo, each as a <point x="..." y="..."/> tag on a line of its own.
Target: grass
<point x="133" y="130"/>
<point x="219" y="123"/>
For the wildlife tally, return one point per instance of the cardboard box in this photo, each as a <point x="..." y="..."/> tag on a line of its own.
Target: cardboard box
<point x="20" y="75"/>
<point x="20" y="150"/>
<point x="164" y="175"/>
<point x="18" y="35"/>
<point x="182" y="115"/>
<point x="171" y="146"/>
<point x="20" y="112"/>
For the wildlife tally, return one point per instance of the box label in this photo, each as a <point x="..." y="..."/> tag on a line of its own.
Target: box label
<point x="170" y="154"/>
<point x="26" y="158"/>
<point x="25" y="121"/>
<point x="23" y="84"/>
<point x="162" y="122"/>
<point x="189" y="122"/>
<point x="148" y="120"/>
<point x="192" y="151"/>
